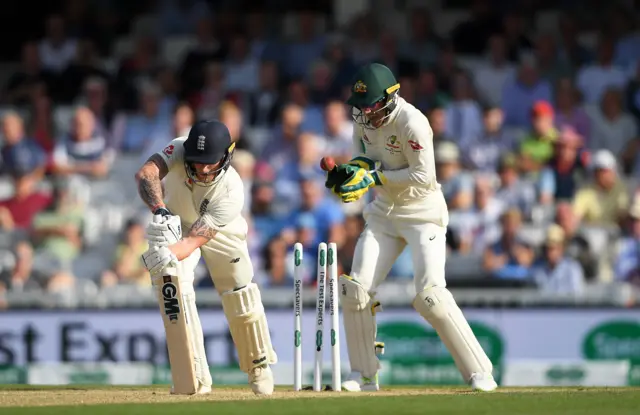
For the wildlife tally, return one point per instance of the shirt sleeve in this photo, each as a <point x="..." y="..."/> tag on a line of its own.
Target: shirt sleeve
<point x="417" y="146"/>
<point x="225" y="209"/>
<point x="546" y="182"/>
<point x="173" y="153"/>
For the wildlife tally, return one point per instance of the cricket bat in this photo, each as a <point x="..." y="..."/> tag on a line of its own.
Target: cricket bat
<point x="179" y="343"/>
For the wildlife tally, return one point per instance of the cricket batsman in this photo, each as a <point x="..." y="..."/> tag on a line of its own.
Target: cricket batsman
<point x="204" y="196"/>
<point x="393" y="153"/>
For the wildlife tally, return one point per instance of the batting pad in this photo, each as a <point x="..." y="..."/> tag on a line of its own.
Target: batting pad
<point x="203" y="374"/>
<point x="358" y="313"/>
<point x="248" y="326"/>
<point x="439" y="308"/>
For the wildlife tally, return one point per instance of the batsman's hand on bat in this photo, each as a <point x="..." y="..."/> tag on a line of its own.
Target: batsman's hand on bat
<point x="157" y="258"/>
<point x="164" y="230"/>
<point x="368" y="173"/>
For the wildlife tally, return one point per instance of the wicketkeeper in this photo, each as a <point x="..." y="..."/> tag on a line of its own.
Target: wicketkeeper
<point x="393" y="153"/>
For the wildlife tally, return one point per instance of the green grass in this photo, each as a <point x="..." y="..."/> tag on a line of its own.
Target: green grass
<point x="393" y="401"/>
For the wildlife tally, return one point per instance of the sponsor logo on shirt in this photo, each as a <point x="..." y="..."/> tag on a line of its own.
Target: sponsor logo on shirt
<point x="392" y="145"/>
<point x="203" y="206"/>
<point x="415" y="146"/>
<point x="168" y="150"/>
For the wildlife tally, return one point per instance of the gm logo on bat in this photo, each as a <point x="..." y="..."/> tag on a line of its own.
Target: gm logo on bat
<point x="171" y="305"/>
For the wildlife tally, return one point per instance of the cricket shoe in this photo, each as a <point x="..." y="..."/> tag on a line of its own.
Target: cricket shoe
<point x="483" y="382"/>
<point x="357" y="383"/>
<point x="261" y="380"/>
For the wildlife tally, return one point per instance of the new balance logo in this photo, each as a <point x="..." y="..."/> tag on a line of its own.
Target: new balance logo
<point x="234" y="261"/>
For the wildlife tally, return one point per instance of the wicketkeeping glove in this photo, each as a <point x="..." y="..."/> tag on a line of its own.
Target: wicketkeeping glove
<point x="368" y="174"/>
<point x="339" y="175"/>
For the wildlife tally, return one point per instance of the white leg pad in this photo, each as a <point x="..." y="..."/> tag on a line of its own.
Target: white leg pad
<point x="358" y="312"/>
<point x="203" y="374"/>
<point x="439" y="308"/>
<point x="248" y="325"/>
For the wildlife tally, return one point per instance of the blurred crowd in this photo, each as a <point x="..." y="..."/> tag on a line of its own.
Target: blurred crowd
<point x="536" y="136"/>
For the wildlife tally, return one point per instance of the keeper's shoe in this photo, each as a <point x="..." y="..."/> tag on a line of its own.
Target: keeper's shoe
<point x="357" y="383"/>
<point x="483" y="382"/>
<point x="261" y="380"/>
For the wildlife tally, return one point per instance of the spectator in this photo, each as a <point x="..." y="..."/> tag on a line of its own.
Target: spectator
<point x="147" y="124"/>
<point x="95" y="96"/>
<point x="428" y="96"/>
<point x="183" y="119"/>
<point x="484" y="151"/>
<point x="135" y="72"/>
<point x="17" y="212"/>
<point x="577" y="245"/>
<point x="57" y="230"/>
<point x="320" y="87"/>
<point x="85" y="64"/>
<point x="551" y="68"/>
<point x="513" y="191"/>
<point x="471" y="36"/>
<point x="536" y="149"/>
<point x="244" y="163"/>
<point x="520" y="94"/>
<point x="19" y="88"/>
<point x="27" y="276"/>
<point x="207" y="49"/>
<point x="82" y="151"/>
<point x="555" y="272"/>
<point x="593" y="80"/>
<point x="56" y="50"/>
<point x="513" y="27"/>
<point x="463" y="113"/>
<point x="438" y="120"/>
<point x="341" y="64"/>
<point x="388" y="55"/>
<point x="605" y="200"/>
<point x="267" y="222"/>
<point x="307" y="48"/>
<point x="20" y="153"/>
<point x="262" y="44"/>
<point x="423" y="42"/>
<point x="447" y="69"/>
<point x="42" y="126"/>
<point x="179" y="17"/>
<point x="569" y="112"/>
<point x="229" y="114"/>
<point x="509" y="258"/>
<point x="457" y="185"/>
<point x="632" y="92"/>
<point x="492" y="75"/>
<point x="282" y="144"/>
<point x="627" y="46"/>
<point x="298" y="94"/>
<point x="127" y="267"/>
<point x="241" y="68"/>
<point x="338" y="131"/>
<point x="304" y="164"/>
<point x="325" y="211"/>
<point x="627" y="261"/>
<point x="277" y="271"/>
<point x="478" y="226"/>
<point x="570" y="50"/>
<point x="264" y="105"/>
<point x="560" y="178"/>
<point x="612" y="129"/>
<point x="363" y="47"/>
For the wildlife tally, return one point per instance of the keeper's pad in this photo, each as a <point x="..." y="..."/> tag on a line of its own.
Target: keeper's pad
<point x="358" y="311"/>
<point x="248" y="326"/>
<point x="203" y="374"/>
<point x="439" y="308"/>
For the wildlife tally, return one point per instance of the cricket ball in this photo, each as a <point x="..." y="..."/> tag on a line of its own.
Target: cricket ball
<point x="327" y="163"/>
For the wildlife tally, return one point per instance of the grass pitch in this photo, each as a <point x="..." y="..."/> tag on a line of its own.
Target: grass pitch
<point x="54" y="400"/>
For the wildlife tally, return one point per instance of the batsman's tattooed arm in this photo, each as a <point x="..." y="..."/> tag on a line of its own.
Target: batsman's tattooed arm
<point x="199" y="234"/>
<point x="149" y="179"/>
<point x="201" y="228"/>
